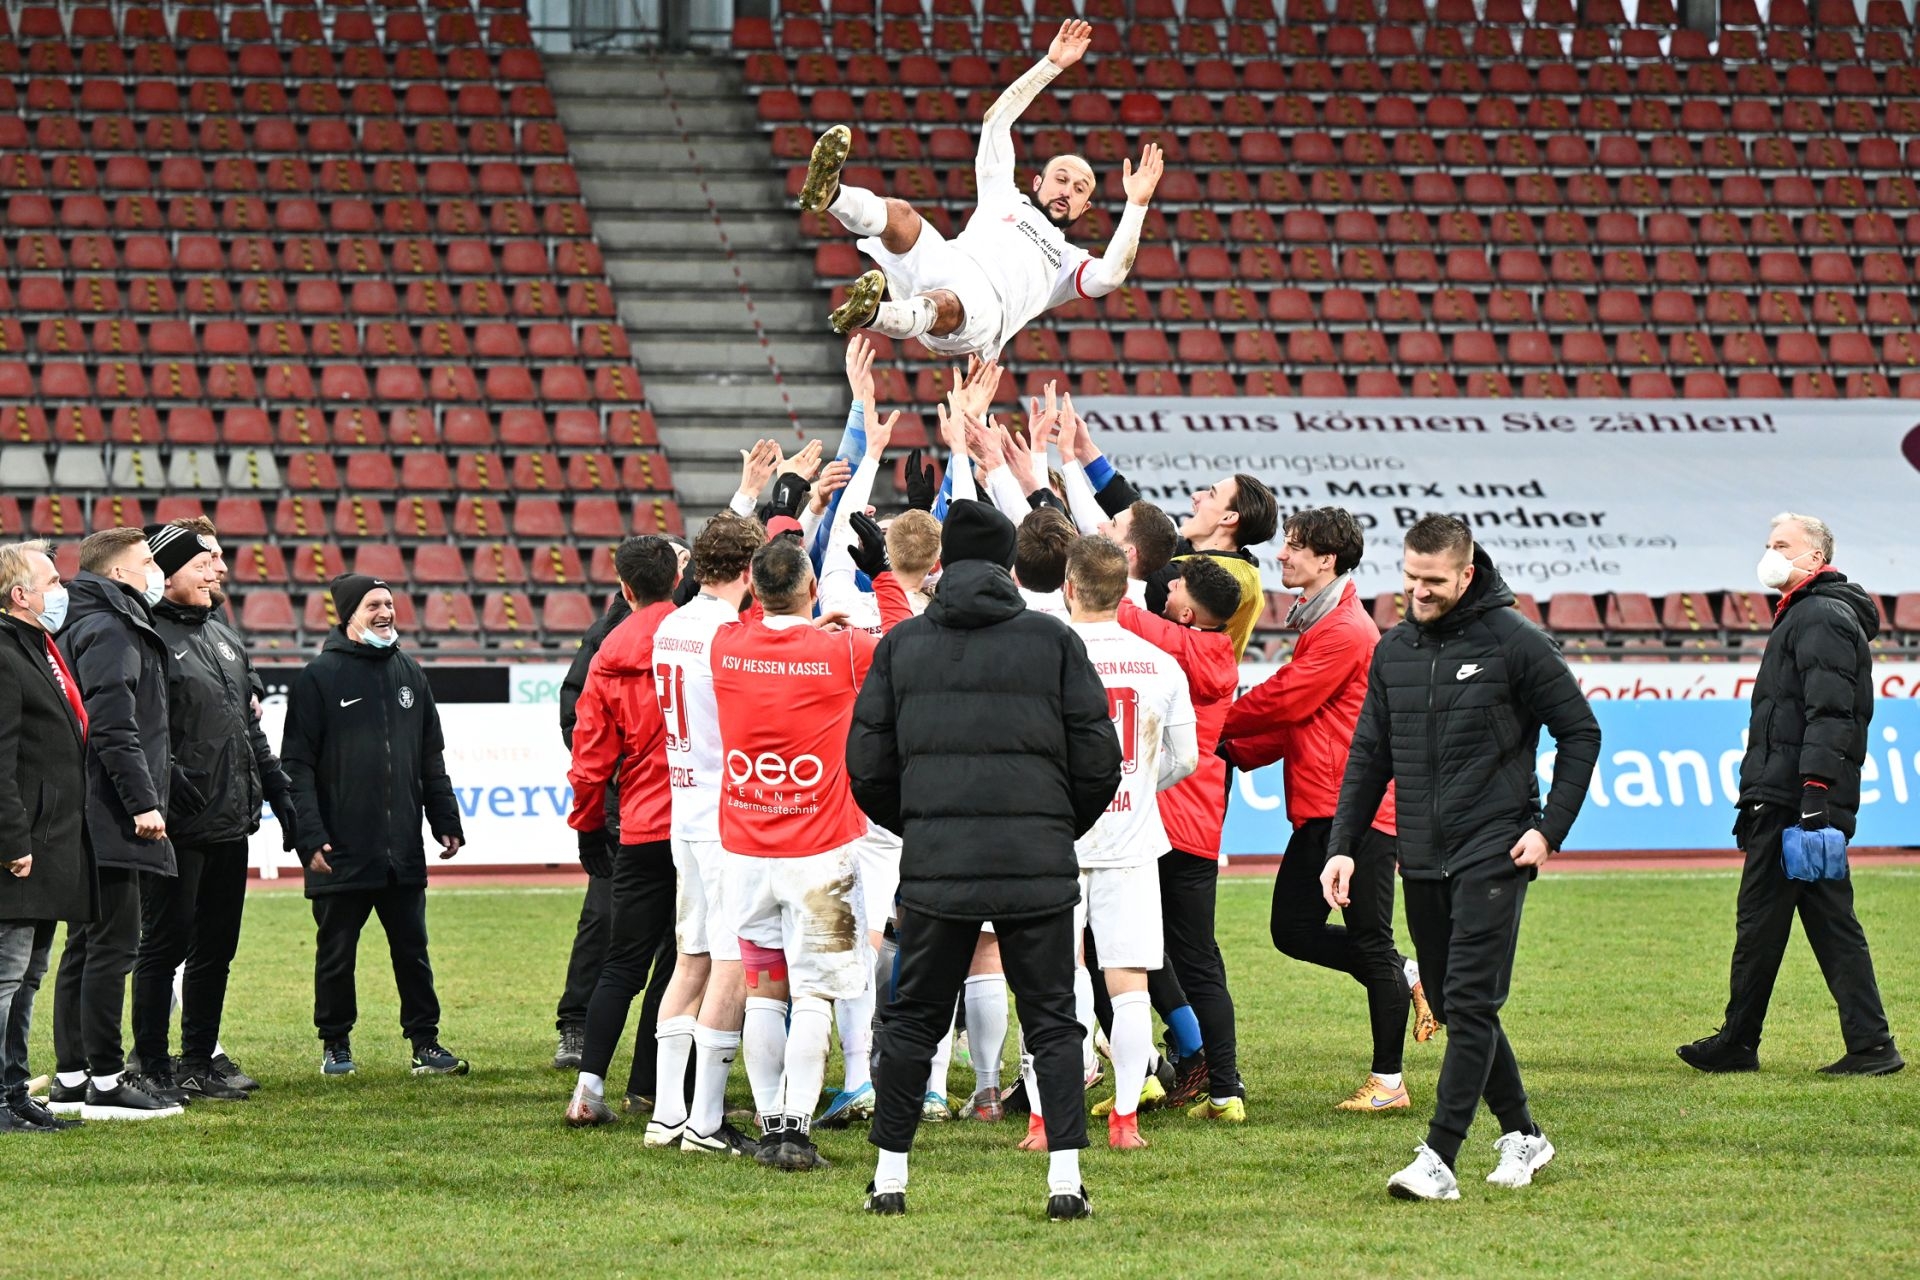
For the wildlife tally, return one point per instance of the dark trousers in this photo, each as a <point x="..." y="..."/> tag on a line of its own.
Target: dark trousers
<point x="590" y="936"/>
<point x="1187" y="885"/>
<point x="192" y="917"/>
<point x="641" y="942"/>
<point x="402" y="909"/>
<point x="24" y="949"/>
<point x="90" y="990"/>
<point x="934" y="958"/>
<point x="1764" y="920"/>
<point x="1464" y="931"/>
<point x="1362" y="948"/>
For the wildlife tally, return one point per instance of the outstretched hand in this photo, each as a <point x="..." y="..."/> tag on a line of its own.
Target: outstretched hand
<point x="1140" y="182"/>
<point x="757" y="466"/>
<point x="1071" y="44"/>
<point x="860" y="368"/>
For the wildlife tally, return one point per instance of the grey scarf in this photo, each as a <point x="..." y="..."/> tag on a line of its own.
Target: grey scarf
<point x="1308" y="610"/>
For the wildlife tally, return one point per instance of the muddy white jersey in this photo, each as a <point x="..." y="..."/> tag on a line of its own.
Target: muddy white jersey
<point x="1146" y="697"/>
<point x="683" y="679"/>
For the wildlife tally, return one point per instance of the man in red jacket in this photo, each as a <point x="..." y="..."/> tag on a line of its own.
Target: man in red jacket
<point x="1304" y="714"/>
<point x="620" y="728"/>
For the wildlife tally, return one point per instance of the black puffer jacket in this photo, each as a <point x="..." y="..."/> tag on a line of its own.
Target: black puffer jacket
<point x="1813" y="698"/>
<point x="219" y="748"/>
<point x="981" y="736"/>
<point x="1452" y="718"/>
<point x="120" y="663"/>
<point x="364" y="751"/>
<point x="43" y="783"/>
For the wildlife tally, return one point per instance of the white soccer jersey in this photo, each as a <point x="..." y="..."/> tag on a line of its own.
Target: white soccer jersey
<point x="1147" y="698"/>
<point x="1028" y="262"/>
<point x="683" y="679"/>
<point x="1051" y="603"/>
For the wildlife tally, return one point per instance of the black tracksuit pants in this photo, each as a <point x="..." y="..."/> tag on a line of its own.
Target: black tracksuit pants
<point x="590" y="937"/>
<point x="90" y="991"/>
<point x="1363" y="947"/>
<point x="1187" y="888"/>
<point x="934" y="957"/>
<point x="641" y="942"/>
<point x="192" y="917"/>
<point x="1465" y="929"/>
<point x="1764" y="921"/>
<point x="340" y="917"/>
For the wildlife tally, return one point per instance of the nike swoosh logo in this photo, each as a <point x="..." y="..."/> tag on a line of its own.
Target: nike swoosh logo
<point x="181" y="654"/>
<point x="1805" y="816"/>
<point x="347" y="702"/>
<point x="1381" y="1102"/>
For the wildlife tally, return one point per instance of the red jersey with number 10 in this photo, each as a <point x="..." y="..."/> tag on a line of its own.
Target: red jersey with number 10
<point x="785" y="692"/>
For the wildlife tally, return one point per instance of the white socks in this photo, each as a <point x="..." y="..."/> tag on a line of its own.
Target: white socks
<point x="907" y="319"/>
<point x="987" y="1026"/>
<point x="673" y="1041"/>
<point x="103" y="1083"/>
<point x="942" y="1060"/>
<point x="1390" y="1081"/>
<point x="763" y="1037"/>
<point x="1132" y="1043"/>
<point x="1063" y="1172"/>
<point x="713" y="1059"/>
<point x="1411" y="968"/>
<point x="1083" y="1014"/>
<point x="1027" y="1074"/>
<point x="859" y="210"/>
<point x="890" y="1171"/>
<point x="590" y="1086"/>
<point x="855" y="1018"/>
<point x="71" y="1079"/>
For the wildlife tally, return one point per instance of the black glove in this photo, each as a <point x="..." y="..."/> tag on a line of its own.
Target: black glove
<point x="287" y="816"/>
<point x="870" y="552"/>
<point x="1157" y="587"/>
<point x="922" y="488"/>
<point x="1813" y="807"/>
<point x="790" y="490"/>
<point x="595" y="857"/>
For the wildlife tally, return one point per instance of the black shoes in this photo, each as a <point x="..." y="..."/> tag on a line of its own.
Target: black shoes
<point x="160" y="1083"/>
<point x="1719" y="1053"/>
<point x="885" y="1204"/>
<point x="199" y="1080"/>
<point x="791" y="1151"/>
<point x="430" y="1058"/>
<point x="229" y="1070"/>
<point x="66" y="1099"/>
<point x="1882" y="1060"/>
<point x="573" y="1044"/>
<point x="27" y="1114"/>
<point x="127" y="1100"/>
<point x="336" y="1058"/>
<point x="1190" y="1081"/>
<point x="1068" y="1208"/>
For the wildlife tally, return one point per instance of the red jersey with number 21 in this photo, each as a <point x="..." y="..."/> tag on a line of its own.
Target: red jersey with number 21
<point x="785" y="691"/>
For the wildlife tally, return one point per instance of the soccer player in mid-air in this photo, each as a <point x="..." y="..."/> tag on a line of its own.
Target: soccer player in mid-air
<point x="972" y="294"/>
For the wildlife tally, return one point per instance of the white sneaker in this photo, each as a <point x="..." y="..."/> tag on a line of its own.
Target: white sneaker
<point x="1521" y="1156"/>
<point x="1427" y="1178"/>
<point x="660" y="1134"/>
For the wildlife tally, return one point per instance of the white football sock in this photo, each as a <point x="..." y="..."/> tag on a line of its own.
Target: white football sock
<point x="588" y="1086"/>
<point x="809" y="1036"/>
<point x="1411" y="968"/>
<point x="71" y="1079"/>
<point x="855" y="1018"/>
<point x="942" y="1060"/>
<point x="859" y="210"/>
<point x="890" y="1171"/>
<point x="673" y="1041"/>
<point x="987" y="1026"/>
<point x="1132" y="1044"/>
<point x="908" y="319"/>
<point x="713" y="1052"/>
<point x="103" y="1083"/>
<point x="763" y="1037"/>
<point x="1063" y="1172"/>
<point x="1084" y="1015"/>
<point x="1390" y="1081"/>
<point x="1027" y="1074"/>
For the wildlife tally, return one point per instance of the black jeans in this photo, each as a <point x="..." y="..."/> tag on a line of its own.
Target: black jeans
<point x="403" y="914"/>
<point x="192" y="917"/>
<point x="641" y="942"/>
<point x="1187" y="886"/>
<point x="90" y="990"/>
<point x="1764" y="921"/>
<point x="934" y="958"/>
<point x="1363" y="947"/>
<point x="24" y="949"/>
<point x="590" y="937"/>
<point x="1464" y="931"/>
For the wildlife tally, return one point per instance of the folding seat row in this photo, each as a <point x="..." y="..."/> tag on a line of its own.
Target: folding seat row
<point x="305" y="427"/>
<point x="286" y="379"/>
<point x="119" y="336"/>
<point x="445" y="620"/>
<point x="201" y="55"/>
<point x="284" y="134"/>
<point x="349" y="255"/>
<point x="27" y="171"/>
<point x="343" y="215"/>
<point x="267" y="295"/>
<point x="428" y="564"/>
<point x="110" y="99"/>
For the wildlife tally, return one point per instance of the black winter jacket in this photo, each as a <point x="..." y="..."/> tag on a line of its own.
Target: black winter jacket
<point x="219" y="749"/>
<point x="576" y="680"/>
<point x="1813" y="699"/>
<point x="1452" y="718"/>
<point x="43" y="785"/>
<point x="120" y="663"/>
<point x="363" y="749"/>
<point x="981" y="737"/>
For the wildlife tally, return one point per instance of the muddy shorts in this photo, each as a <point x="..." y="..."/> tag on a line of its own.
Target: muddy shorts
<point x="810" y="909"/>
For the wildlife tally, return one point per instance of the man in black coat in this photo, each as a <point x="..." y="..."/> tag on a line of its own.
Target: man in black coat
<point x="222" y="754"/>
<point x="120" y="664"/>
<point x="46" y="872"/>
<point x="981" y="737"/>
<point x="364" y="750"/>
<point x="1456" y="697"/>
<point x="1806" y="741"/>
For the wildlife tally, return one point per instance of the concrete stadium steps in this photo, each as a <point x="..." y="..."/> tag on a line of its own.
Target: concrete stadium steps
<point x="694" y="337"/>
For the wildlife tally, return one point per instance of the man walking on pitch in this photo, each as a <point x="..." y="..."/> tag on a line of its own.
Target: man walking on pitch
<point x="1456" y="698"/>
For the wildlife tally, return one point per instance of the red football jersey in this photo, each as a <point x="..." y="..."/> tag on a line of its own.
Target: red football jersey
<point x="785" y="692"/>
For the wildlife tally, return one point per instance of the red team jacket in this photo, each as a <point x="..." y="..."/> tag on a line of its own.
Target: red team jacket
<point x="785" y="695"/>
<point x="619" y="721"/>
<point x="1194" y="808"/>
<point x="1304" y="713"/>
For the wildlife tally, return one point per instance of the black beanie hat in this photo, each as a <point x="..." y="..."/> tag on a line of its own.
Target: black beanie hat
<point x="174" y="547"/>
<point x="976" y="531"/>
<point x="348" y="590"/>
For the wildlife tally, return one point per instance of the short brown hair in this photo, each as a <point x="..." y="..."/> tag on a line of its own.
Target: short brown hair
<point x="1434" y="533"/>
<point x="1329" y="531"/>
<point x="196" y="524"/>
<point x="913" y="541"/>
<point x="1040" y="549"/>
<point x="1259" y="513"/>
<point x="1154" y="537"/>
<point x="99" y="550"/>
<point x="1097" y="567"/>
<point x="723" y="550"/>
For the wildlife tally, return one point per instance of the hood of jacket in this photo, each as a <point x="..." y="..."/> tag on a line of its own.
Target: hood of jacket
<point x="89" y="593"/>
<point x="1488" y="591"/>
<point x="628" y="649"/>
<point x="188" y="615"/>
<point x="975" y="594"/>
<point x="337" y="642"/>
<point x="1833" y="584"/>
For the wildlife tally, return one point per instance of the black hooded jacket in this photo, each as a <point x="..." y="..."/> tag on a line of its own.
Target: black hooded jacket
<point x="219" y="748"/>
<point x="1813" y="699"/>
<point x="1452" y="718"/>
<point x="363" y="749"/>
<point x="43" y="783"/>
<point x="120" y="663"/>
<point x="981" y="737"/>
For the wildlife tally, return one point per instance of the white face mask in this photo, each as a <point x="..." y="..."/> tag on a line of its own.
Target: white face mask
<point x="380" y="639"/>
<point x="1775" y="569"/>
<point x="53" y="609"/>
<point x="156" y="586"/>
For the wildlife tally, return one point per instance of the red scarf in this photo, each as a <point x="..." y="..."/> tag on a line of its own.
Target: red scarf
<point x="64" y="678"/>
<point x="1782" y="606"/>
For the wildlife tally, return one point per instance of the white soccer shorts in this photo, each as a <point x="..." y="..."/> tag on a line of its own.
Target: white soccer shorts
<point x="1123" y="909"/>
<point x="702" y="924"/>
<point x="878" y="855"/>
<point x="810" y="909"/>
<point x="933" y="263"/>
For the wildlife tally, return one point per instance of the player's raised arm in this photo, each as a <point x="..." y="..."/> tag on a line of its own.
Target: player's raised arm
<point x="1104" y="274"/>
<point x="994" y="164"/>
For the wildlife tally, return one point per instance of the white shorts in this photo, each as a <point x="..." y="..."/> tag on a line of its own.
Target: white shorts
<point x="702" y="924"/>
<point x="878" y="855"/>
<point x="1123" y="909"/>
<point x="933" y="263"/>
<point x="810" y="909"/>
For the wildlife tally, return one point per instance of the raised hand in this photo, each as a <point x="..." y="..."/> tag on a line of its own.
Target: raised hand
<point x="1020" y="457"/>
<point x="922" y="487"/>
<point x="869" y="548"/>
<point x="1071" y="44"/>
<point x="984" y="445"/>
<point x="757" y="466"/>
<point x="832" y="480"/>
<point x="1083" y="449"/>
<point x="1043" y="420"/>
<point x="982" y="382"/>
<point x="860" y="368"/>
<point x="880" y="434"/>
<point x="1140" y="182"/>
<point x="806" y="463"/>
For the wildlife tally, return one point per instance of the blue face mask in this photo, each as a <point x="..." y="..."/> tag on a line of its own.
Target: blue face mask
<point x="379" y="641"/>
<point x="53" y="610"/>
